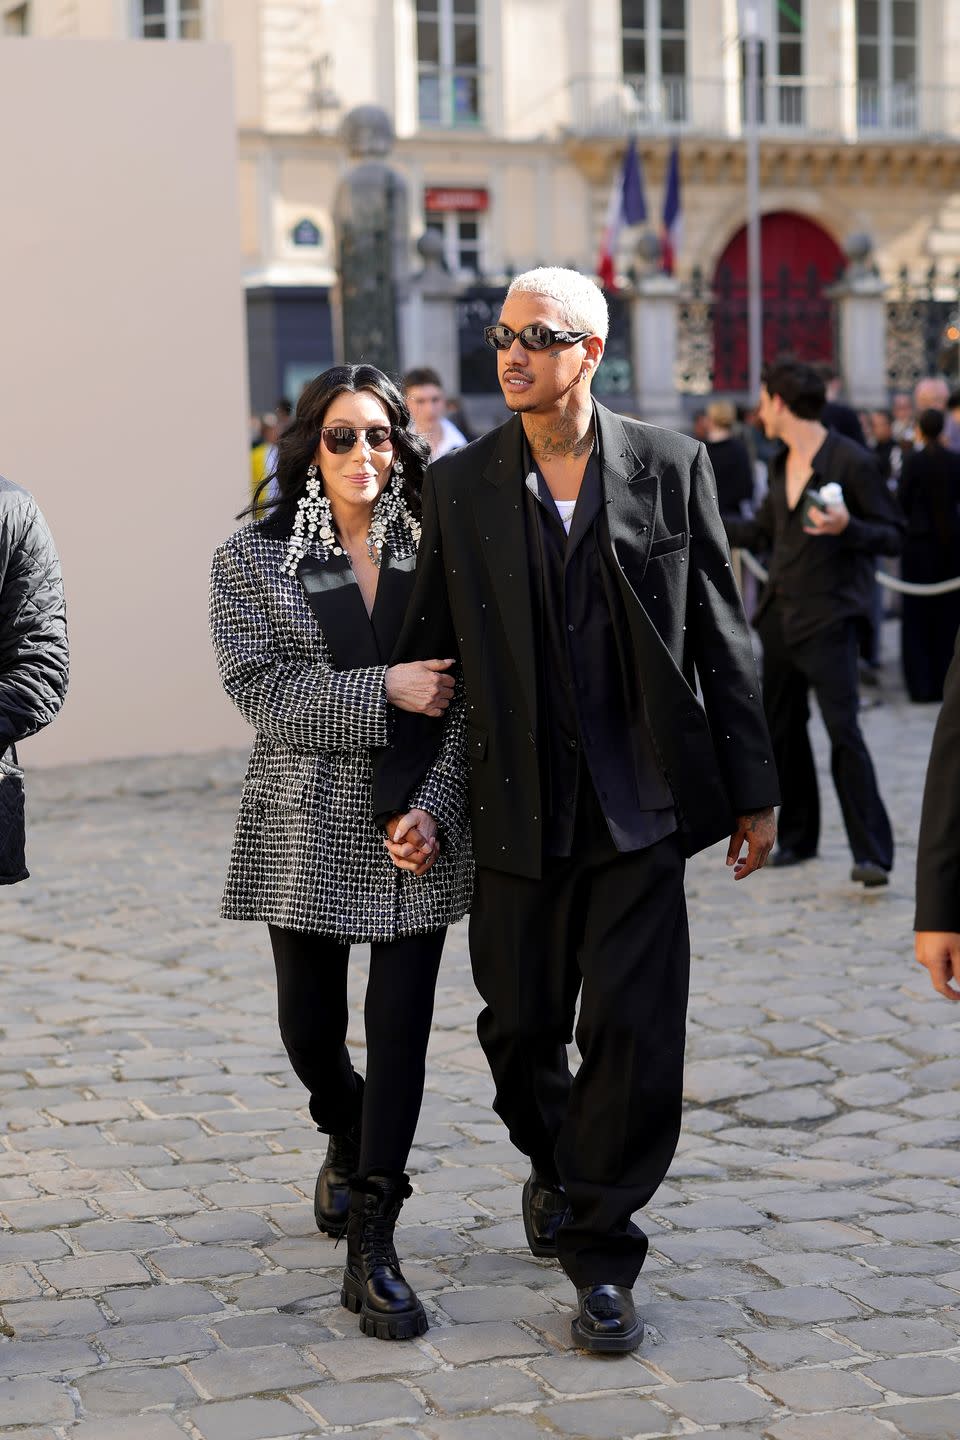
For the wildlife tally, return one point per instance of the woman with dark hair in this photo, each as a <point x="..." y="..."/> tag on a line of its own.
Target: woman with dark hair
<point x="306" y="606"/>
<point x="929" y="494"/>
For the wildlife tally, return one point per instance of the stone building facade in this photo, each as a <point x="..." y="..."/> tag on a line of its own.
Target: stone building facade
<point x="511" y="118"/>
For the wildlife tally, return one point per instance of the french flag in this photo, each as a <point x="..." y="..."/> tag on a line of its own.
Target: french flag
<point x="672" y="214"/>
<point x="627" y="207"/>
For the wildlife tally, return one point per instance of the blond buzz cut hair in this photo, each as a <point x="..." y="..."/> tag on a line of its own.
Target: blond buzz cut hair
<point x="581" y="299"/>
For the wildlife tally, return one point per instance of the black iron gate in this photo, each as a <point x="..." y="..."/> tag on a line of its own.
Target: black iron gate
<point x="799" y="318"/>
<point x="923" y="328"/>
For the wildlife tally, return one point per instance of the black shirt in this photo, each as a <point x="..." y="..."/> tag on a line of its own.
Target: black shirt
<point x="844" y="419"/>
<point x="929" y="495"/>
<point x="593" y="730"/>
<point x="816" y="580"/>
<point x="890" y="468"/>
<point x="733" y="471"/>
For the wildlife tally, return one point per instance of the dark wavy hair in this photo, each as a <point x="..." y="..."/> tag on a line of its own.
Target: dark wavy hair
<point x="798" y="384"/>
<point x="298" y="444"/>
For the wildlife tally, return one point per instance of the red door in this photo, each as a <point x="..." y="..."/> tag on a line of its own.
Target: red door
<point x="798" y="259"/>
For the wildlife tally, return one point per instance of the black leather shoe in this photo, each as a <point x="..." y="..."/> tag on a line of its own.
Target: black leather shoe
<point x="545" y="1209"/>
<point x="870" y="874"/>
<point x="606" y="1320"/>
<point x="782" y="858"/>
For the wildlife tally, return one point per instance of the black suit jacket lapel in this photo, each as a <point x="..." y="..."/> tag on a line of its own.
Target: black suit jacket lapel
<point x="631" y="492"/>
<point x="499" y="515"/>
<point x="394" y="588"/>
<point x="334" y="597"/>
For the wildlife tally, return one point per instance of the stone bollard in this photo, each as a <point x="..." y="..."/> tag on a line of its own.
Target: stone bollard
<point x="654" y="344"/>
<point x="370" y="210"/>
<point x="429" y="319"/>
<point x="862" y="307"/>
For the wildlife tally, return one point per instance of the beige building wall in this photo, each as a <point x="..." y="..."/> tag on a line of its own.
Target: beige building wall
<point x="122" y="389"/>
<point x="239" y="26"/>
<point x="549" y="143"/>
<point x="546" y="66"/>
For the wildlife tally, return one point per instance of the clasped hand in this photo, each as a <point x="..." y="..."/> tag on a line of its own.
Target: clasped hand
<point x="412" y="841"/>
<point x="422" y="686"/>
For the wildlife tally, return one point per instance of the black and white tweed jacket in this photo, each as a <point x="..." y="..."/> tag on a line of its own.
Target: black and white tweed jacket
<point x="305" y="665"/>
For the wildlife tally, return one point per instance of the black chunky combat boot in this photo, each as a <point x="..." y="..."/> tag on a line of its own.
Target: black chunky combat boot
<point x="373" y="1284"/>
<point x="331" y="1197"/>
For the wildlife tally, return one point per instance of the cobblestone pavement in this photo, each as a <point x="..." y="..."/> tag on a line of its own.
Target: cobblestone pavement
<point x="159" y="1269"/>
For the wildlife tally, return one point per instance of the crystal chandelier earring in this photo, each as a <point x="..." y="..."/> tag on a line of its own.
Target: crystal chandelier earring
<point x="390" y="509"/>
<point x="313" y="518"/>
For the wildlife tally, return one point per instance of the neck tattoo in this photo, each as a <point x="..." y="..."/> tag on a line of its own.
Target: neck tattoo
<point x="562" y="442"/>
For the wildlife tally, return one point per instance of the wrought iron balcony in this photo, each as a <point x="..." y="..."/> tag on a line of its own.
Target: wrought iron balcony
<point x="786" y="105"/>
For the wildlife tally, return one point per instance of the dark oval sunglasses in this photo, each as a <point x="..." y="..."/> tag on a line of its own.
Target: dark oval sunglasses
<point x="341" y="439"/>
<point x="531" y="337"/>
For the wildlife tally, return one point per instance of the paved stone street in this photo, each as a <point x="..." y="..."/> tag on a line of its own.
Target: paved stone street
<point x="159" y="1269"/>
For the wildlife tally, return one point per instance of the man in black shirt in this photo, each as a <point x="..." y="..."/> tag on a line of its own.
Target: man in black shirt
<point x="575" y="564"/>
<point x="885" y="447"/>
<point x="836" y="414"/>
<point x="817" y="600"/>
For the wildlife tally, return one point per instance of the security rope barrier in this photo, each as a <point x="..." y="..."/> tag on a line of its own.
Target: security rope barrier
<point x="890" y="582"/>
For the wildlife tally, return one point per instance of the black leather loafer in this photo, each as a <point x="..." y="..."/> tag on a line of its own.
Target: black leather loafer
<point x="545" y="1209"/>
<point x="866" y="872"/>
<point x="780" y="859"/>
<point x="606" y="1320"/>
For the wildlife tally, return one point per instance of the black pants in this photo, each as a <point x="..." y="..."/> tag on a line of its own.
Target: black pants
<point x="398" y="1011"/>
<point x="613" y="928"/>
<point x="930" y="622"/>
<point x="827" y="665"/>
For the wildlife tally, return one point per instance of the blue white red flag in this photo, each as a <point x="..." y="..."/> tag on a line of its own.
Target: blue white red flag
<point x="627" y="206"/>
<point x="672" y="234"/>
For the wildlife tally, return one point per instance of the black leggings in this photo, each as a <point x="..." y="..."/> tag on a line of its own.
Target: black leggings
<point x="398" y="1012"/>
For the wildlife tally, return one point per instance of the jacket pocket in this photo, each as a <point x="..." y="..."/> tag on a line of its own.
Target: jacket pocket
<point x="275" y="792"/>
<point x="476" y="743"/>
<point x="667" y="544"/>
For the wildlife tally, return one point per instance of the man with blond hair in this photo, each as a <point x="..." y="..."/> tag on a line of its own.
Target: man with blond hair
<point x="575" y="563"/>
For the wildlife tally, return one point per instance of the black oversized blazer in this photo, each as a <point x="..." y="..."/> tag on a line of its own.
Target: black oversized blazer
<point x="667" y="554"/>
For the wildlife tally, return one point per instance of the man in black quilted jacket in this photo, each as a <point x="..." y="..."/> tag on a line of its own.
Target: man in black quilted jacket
<point x="34" y="660"/>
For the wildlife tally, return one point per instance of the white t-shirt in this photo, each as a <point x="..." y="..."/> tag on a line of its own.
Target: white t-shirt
<point x="565" y="509"/>
<point x="450" y="439"/>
